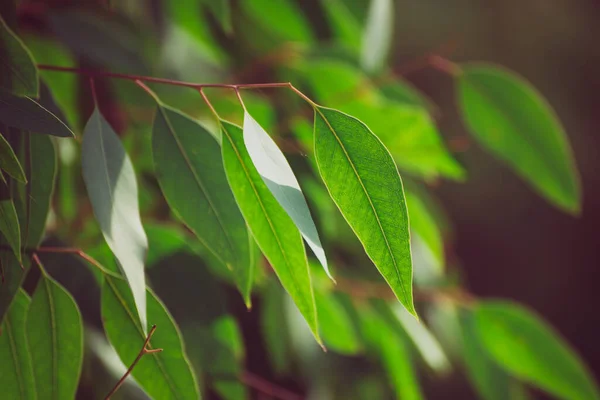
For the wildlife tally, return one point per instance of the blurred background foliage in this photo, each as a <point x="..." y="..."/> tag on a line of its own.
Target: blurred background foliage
<point x="474" y="221"/>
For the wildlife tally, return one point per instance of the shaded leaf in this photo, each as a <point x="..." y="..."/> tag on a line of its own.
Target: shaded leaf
<point x="336" y="325"/>
<point x="200" y="196"/>
<point x="423" y="224"/>
<point x="16" y="373"/>
<point x="377" y="36"/>
<point x="278" y="176"/>
<point x="112" y="188"/>
<point x="363" y="180"/>
<point x="55" y="335"/>
<point x="531" y="350"/>
<point x="9" y="221"/>
<point x="271" y="226"/>
<point x="165" y="375"/>
<point x="27" y="114"/>
<point x="18" y="74"/>
<point x="514" y="122"/>
<point x="9" y="161"/>
<point x="274" y="328"/>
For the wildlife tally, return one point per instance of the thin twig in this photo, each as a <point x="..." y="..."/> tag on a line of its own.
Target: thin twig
<point x="144" y="350"/>
<point x="267" y="388"/>
<point x="70" y="250"/>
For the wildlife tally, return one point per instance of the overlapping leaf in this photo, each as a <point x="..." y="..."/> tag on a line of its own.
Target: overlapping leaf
<point x="278" y="176"/>
<point x="112" y="188"/>
<point x="16" y="373"/>
<point x="200" y="196"/>
<point x="9" y="221"/>
<point x="55" y="336"/>
<point x="271" y="226"/>
<point x="514" y="122"/>
<point x="529" y="349"/>
<point x="9" y="161"/>
<point x="18" y="74"/>
<point x="165" y="375"/>
<point x="363" y="180"/>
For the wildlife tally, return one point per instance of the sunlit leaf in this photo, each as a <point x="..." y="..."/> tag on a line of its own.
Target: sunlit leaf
<point x="271" y="226"/>
<point x="9" y="221"/>
<point x="18" y="74"/>
<point x="9" y="162"/>
<point x="514" y="122"/>
<point x="55" y="336"/>
<point x="112" y="188"/>
<point x="165" y="375"/>
<point x="16" y="373"/>
<point x="336" y="326"/>
<point x="200" y="195"/>
<point x="377" y="36"/>
<point x="278" y="176"/>
<point x="27" y="114"/>
<point x="524" y="345"/>
<point x="371" y="199"/>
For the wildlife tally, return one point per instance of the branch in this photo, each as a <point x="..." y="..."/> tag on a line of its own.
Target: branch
<point x="144" y="350"/>
<point x="265" y="387"/>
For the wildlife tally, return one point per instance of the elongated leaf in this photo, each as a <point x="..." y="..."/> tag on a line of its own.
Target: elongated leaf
<point x="27" y="114"/>
<point x="32" y="202"/>
<point x="514" y="122"/>
<point x="110" y="181"/>
<point x="377" y="36"/>
<point x="528" y="348"/>
<point x="270" y="225"/>
<point x="336" y="325"/>
<point x="16" y="373"/>
<point x="281" y="181"/>
<point x="490" y="381"/>
<point x="165" y="375"/>
<point x="9" y="221"/>
<point x="363" y="180"/>
<point x="55" y="335"/>
<point x="18" y="74"/>
<point x="9" y="161"/>
<point x="190" y="172"/>
<point x="274" y="327"/>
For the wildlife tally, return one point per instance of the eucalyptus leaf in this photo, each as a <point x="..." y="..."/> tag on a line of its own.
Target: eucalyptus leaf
<point x="371" y="199"/>
<point x="27" y="114"/>
<point x="9" y="161"/>
<point x="200" y="196"/>
<point x="278" y="176"/>
<point x="285" y="22"/>
<point x="18" y="73"/>
<point x="271" y="226"/>
<point x="55" y="336"/>
<point x="112" y="188"/>
<point x="16" y="373"/>
<point x="525" y="346"/>
<point x="377" y="35"/>
<point x="164" y="375"/>
<point x="337" y="329"/>
<point x="512" y="120"/>
<point x="346" y="27"/>
<point x="9" y="220"/>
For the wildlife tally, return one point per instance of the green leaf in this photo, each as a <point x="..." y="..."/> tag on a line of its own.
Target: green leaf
<point x="531" y="350"/>
<point x="490" y="381"/>
<point x="221" y="10"/>
<point x="377" y="36"/>
<point x="336" y="325"/>
<point x="9" y="161"/>
<point x="515" y="123"/>
<point x="16" y="373"/>
<point x="18" y="74"/>
<point x="279" y="177"/>
<point x="423" y="224"/>
<point x="274" y="328"/>
<point x="392" y="352"/>
<point x="165" y="375"/>
<point x="9" y="221"/>
<point x="112" y="188"/>
<point x="271" y="226"/>
<point x="343" y="23"/>
<point x="27" y="114"/>
<point x="32" y="202"/>
<point x="55" y="334"/>
<point x="286" y="21"/>
<point x="190" y="172"/>
<point x="163" y="240"/>
<point x="363" y="180"/>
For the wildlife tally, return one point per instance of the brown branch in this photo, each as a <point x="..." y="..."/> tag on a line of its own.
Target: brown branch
<point x="267" y="388"/>
<point x="144" y="350"/>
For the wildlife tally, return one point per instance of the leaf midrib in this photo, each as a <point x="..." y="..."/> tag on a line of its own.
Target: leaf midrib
<point x="370" y="203"/>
